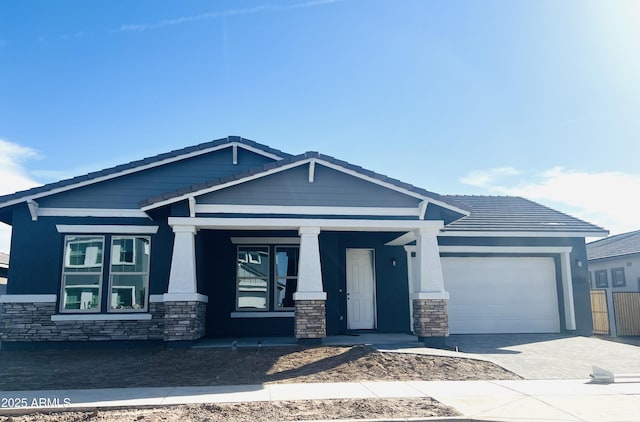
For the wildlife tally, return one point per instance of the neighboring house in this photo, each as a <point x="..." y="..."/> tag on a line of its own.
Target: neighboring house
<point x="4" y="270"/>
<point x="232" y="238"/>
<point x="614" y="263"/>
<point x="614" y="267"/>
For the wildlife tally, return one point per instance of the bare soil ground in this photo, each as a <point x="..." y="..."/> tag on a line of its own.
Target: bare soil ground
<point x="78" y="369"/>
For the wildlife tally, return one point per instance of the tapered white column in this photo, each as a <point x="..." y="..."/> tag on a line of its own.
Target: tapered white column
<point x="182" y="278"/>
<point x="428" y="281"/>
<point x="309" y="269"/>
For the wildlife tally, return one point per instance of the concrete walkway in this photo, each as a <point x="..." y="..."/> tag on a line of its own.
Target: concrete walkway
<point x="526" y="400"/>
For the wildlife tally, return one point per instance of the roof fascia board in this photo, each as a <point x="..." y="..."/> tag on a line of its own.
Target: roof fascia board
<point x="480" y="233"/>
<point x="140" y="168"/>
<point x="505" y="249"/>
<point x="296" y="223"/>
<point x="305" y="210"/>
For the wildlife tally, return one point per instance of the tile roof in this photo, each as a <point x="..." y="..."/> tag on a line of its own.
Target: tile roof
<point x="618" y="245"/>
<point x="179" y="194"/>
<point x="515" y="214"/>
<point x="139" y="163"/>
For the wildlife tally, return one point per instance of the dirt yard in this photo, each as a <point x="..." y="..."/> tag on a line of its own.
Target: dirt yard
<point x="77" y="369"/>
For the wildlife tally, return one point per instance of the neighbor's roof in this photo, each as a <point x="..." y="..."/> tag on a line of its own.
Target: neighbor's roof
<point x="144" y="163"/>
<point x="515" y="214"/>
<point x="618" y="245"/>
<point x="292" y="160"/>
<point x="4" y="259"/>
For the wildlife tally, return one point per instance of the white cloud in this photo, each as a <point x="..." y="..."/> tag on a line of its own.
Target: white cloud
<point x="486" y="178"/>
<point x="221" y="14"/>
<point x="608" y="199"/>
<point x="13" y="178"/>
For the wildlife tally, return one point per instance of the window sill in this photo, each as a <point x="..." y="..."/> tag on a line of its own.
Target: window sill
<point x="101" y="317"/>
<point x="280" y="314"/>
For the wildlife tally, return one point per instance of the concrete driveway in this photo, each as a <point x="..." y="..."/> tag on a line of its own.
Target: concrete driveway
<point x="550" y="356"/>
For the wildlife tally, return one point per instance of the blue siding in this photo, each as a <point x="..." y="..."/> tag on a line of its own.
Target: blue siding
<point x="127" y="191"/>
<point x="292" y="187"/>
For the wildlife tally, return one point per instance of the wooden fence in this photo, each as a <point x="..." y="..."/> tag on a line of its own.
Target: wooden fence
<point x="599" y="312"/>
<point x="627" y="311"/>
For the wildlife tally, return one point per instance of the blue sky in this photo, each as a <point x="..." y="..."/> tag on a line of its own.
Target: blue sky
<point x="533" y="98"/>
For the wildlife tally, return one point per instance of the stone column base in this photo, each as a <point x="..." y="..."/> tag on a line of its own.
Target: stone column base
<point x="184" y="320"/>
<point x="430" y="320"/>
<point x="310" y="321"/>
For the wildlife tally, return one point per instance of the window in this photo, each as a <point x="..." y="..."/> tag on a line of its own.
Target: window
<point x="256" y="283"/>
<point x="601" y="279"/>
<point x="83" y="274"/>
<point x="129" y="273"/>
<point x="286" y="276"/>
<point x="617" y="277"/>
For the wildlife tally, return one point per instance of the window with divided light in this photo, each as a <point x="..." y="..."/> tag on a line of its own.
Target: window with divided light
<point x="86" y="281"/>
<point x="258" y="287"/>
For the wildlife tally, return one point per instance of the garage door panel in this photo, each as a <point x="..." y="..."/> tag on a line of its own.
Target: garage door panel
<point x="501" y="295"/>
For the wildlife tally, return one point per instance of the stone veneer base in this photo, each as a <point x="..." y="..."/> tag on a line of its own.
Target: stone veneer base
<point x="170" y="321"/>
<point x="310" y="320"/>
<point x="430" y="318"/>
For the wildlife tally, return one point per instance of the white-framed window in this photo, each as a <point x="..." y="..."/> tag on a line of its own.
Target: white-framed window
<point x="129" y="273"/>
<point x="84" y="273"/>
<point x="260" y="289"/>
<point x="286" y="276"/>
<point x="617" y="277"/>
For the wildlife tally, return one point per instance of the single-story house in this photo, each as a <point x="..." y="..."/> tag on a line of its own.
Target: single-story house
<point x="614" y="262"/>
<point x="232" y="238"/>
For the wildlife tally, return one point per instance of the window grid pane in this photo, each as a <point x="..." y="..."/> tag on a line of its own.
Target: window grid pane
<point x="252" y="278"/>
<point x="286" y="278"/>
<point x="129" y="278"/>
<point x="82" y="273"/>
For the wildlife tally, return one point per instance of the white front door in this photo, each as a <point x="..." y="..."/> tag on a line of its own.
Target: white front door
<point x="361" y="306"/>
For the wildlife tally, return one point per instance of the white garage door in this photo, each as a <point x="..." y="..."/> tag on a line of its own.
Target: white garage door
<point x="501" y="295"/>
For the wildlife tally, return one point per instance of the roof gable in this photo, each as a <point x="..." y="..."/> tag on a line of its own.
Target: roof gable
<point x="232" y="142"/>
<point x="306" y="165"/>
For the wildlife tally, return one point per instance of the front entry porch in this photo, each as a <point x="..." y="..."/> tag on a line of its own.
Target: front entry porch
<point x="208" y="259"/>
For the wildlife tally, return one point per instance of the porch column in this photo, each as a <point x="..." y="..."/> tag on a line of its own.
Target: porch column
<point x="430" y="319"/>
<point x="184" y="307"/>
<point x="310" y="315"/>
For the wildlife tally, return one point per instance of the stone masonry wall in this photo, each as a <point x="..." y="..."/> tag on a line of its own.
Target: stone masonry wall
<point x="184" y="320"/>
<point x="310" y="319"/>
<point x="32" y="322"/>
<point x="430" y="318"/>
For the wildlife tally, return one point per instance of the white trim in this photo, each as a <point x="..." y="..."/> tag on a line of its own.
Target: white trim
<point x="431" y="295"/>
<point x="265" y="240"/>
<point x="310" y="296"/>
<point x="240" y="314"/>
<point x="33" y="209"/>
<point x="91" y="212"/>
<point x="296" y="223"/>
<point x="234" y="160"/>
<point x="141" y="168"/>
<point x="401" y="240"/>
<point x="102" y="317"/>
<point x="156" y="298"/>
<point x="184" y="297"/>
<point x="28" y="298"/>
<point x="192" y="206"/>
<point x="567" y="290"/>
<point x="306" y="210"/>
<point x="81" y="228"/>
<point x="312" y="170"/>
<point x="505" y="249"/>
<point x="301" y="163"/>
<point x="422" y="209"/>
<point x="477" y="233"/>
